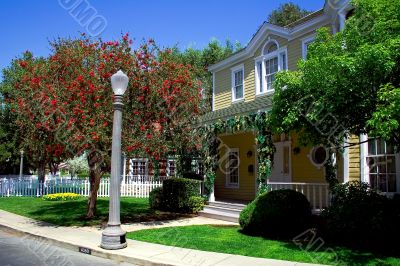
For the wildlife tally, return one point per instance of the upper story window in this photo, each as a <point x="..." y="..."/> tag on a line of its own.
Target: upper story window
<point x="272" y="60"/>
<point x="237" y="83"/>
<point x="305" y="43"/>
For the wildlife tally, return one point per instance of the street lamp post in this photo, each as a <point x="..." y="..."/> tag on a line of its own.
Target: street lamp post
<point x="113" y="236"/>
<point x="21" y="164"/>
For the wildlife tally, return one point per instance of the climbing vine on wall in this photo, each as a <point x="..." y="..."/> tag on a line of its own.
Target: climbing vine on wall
<point x="259" y="124"/>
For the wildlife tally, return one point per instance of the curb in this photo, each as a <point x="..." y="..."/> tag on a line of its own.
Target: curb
<point x="94" y="252"/>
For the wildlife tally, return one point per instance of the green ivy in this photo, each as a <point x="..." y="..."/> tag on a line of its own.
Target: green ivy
<point x="258" y="123"/>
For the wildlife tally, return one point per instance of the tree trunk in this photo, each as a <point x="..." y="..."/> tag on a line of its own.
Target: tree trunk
<point x="95" y="174"/>
<point x="41" y="172"/>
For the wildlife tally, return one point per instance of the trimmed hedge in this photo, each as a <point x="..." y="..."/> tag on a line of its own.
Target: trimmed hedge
<point x="155" y="198"/>
<point x="195" y="204"/>
<point x="177" y="192"/>
<point x="281" y="214"/>
<point x="360" y="217"/>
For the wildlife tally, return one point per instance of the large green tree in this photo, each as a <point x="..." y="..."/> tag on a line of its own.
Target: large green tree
<point x="349" y="82"/>
<point x="201" y="59"/>
<point x="287" y="13"/>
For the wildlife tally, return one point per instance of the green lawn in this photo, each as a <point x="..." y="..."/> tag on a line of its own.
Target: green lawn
<point x="72" y="213"/>
<point x="228" y="239"/>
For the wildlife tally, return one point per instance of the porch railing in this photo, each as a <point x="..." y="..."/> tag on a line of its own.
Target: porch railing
<point x="317" y="193"/>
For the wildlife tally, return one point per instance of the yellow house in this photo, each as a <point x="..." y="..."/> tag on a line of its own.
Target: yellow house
<point x="243" y="84"/>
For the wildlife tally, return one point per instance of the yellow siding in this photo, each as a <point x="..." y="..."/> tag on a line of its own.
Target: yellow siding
<point x="354" y="160"/>
<point x="247" y="181"/>
<point x="222" y="87"/>
<point x="302" y="168"/>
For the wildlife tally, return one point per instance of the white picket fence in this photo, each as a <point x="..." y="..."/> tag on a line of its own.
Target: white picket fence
<point x="33" y="188"/>
<point x="317" y="193"/>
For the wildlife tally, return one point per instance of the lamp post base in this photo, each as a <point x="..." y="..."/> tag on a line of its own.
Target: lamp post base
<point x="113" y="237"/>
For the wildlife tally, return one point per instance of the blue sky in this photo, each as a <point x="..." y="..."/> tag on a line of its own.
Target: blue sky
<point x="28" y="25"/>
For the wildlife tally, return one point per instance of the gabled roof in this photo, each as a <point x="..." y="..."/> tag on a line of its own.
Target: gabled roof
<point x="291" y="31"/>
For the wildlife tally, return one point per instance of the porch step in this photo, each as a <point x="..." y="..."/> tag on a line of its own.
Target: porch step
<point x="223" y="211"/>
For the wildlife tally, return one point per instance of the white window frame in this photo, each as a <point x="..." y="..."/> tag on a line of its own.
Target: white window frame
<point x="235" y="70"/>
<point x="169" y="166"/>
<point x="228" y="182"/>
<point x="282" y="65"/>
<point x="304" y="44"/>
<point x="140" y="160"/>
<point x="365" y="168"/>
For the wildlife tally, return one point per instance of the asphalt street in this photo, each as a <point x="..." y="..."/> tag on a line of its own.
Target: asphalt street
<point x="20" y="250"/>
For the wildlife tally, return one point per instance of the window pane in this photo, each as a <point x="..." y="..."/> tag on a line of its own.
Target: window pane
<point x="391" y="183"/>
<point x="380" y="146"/>
<point x="382" y="185"/>
<point x="373" y="181"/>
<point x="391" y="164"/>
<point x="283" y="59"/>
<point x="239" y="92"/>
<point x="259" y="67"/>
<point x="389" y="149"/>
<point x="372" y="147"/>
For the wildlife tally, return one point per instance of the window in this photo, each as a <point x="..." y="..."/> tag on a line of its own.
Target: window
<point x="138" y="167"/>
<point x="272" y="60"/>
<point x="171" y="167"/>
<point x="319" y="155"/>
<point x="271" y="67"/>
<point x="381" y="163"/>
<point x="232" y="168"/>
<point x="305" y="44"/>
<point x="237" y="83"/>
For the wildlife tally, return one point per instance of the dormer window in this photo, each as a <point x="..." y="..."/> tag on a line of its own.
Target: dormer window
<point x="272" y="60"/>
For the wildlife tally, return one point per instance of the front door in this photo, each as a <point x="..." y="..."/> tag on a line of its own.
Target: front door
<point x="281" y="171"/>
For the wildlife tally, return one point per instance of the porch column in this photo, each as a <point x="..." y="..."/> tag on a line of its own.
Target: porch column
<point x="212" y="195"/>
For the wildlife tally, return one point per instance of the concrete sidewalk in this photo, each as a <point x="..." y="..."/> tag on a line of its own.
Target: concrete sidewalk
<point x="139" y="253"/>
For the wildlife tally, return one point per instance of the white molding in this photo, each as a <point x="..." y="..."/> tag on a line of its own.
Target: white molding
<point x="364" y="170"/>
<point x="304" y="41"/>
<point x="270" y="29"/>
<point x="227" y="174"/>
<point x="268" y="42"/>
<point x="346" y="163"/>
<point x="310" y="156"/>
<point x="233" y="71"/>
<point x="213" y="92"/>
<point x="262" y="59"/>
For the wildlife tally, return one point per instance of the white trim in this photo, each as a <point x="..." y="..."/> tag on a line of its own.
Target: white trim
<point x="310" y="156"/>
<point x="270" y="29"/>
<point x="228" y="184"/>
<point x="364" y="170"/>
<point x="261" y="59"/>
<point x="268" y="42"/>
<point x="168" y="172"/>
<point x="145" y="160"/>
<point x="346" y="163"/>
<point x="213" y="92"/>
<point x="235" y="70"/>
<point x="304" y="42"/>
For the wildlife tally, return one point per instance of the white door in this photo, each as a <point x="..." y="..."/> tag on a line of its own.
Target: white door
<point x="281" y="171"/>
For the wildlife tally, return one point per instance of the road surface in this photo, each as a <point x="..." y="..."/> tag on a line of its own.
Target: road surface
<point x="20" y="250"/>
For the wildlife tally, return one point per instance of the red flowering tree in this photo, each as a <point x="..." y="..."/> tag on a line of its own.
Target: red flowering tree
<point x="27" y="89"/>
<point x="69" y="97"/>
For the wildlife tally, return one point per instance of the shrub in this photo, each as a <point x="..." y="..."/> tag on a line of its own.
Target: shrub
<point x="245" y="214"/>
<point x="278" y="214"/>
<point x="359" y="216"/>
<point x="195" y="204"/>
<point x="176" y="193"/>
<point x="61" y="197"/>
<point x="155" y="198"/>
